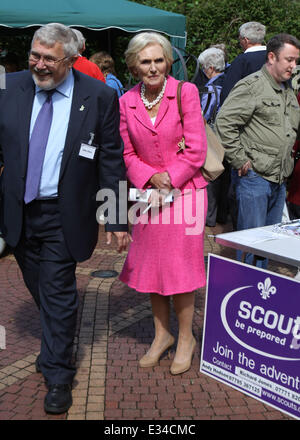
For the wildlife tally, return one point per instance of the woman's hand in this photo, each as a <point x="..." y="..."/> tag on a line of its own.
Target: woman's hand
<point x="161" y="181"/>
<point x="157" y="198"/>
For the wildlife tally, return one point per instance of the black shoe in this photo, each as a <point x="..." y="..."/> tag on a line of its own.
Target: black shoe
<point x="38" y="365"/>
<point x="58" y="399"/>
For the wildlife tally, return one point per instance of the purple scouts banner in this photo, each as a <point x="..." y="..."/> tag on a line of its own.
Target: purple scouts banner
<point x="251" y="336"/>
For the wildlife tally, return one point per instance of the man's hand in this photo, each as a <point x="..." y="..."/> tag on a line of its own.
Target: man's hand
<point x="244" y="169"/>
<point x="123" y="239"/>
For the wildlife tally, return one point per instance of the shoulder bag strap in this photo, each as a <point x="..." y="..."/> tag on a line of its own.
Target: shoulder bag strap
<point x="179" y="87"/>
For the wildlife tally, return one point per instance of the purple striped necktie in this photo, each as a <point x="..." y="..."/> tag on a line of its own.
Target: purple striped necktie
<point x="37" y="148"/>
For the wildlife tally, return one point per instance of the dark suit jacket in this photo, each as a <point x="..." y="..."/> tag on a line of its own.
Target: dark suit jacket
<point x="243" y="65"/>
<point x="95" y="109"/>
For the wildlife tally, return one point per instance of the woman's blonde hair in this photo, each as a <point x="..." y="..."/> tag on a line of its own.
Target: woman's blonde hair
<point x="143" y="39"/>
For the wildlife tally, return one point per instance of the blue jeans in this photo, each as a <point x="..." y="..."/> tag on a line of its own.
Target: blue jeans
<point x="260" y="203"/>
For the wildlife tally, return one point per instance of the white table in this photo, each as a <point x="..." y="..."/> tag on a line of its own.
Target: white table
<point x="284" y="248"/>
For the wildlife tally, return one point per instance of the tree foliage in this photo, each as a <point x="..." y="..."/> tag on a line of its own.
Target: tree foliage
<point x="207" y="22"/>
<point x="217" y="21"/>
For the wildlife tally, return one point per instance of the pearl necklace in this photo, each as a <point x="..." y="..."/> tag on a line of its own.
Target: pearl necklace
<point x="151" y="104"/>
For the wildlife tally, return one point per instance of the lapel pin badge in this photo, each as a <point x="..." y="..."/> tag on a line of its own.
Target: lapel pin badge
<point x="82" y="108"/>
<point x="181" y="145"/>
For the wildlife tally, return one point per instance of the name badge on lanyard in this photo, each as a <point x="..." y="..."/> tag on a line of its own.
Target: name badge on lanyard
<point x="88" y="150"/>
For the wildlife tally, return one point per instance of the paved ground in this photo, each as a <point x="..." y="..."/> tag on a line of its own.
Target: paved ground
<point x="114" y="330"/>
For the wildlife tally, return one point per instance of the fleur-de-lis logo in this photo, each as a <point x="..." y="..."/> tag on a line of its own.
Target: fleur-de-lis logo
<point x="266" y="288"/>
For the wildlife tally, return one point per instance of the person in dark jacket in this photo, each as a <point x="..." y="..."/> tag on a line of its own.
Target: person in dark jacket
<point x="251" y="37"/>
<point x="59" y="144"/>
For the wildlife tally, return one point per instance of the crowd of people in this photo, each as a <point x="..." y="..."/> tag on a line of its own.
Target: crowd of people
<point x="65" y="135"/>
<point x="256" y="117"/>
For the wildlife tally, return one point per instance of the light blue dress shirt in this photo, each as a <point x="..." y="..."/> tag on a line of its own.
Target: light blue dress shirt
<point x="62" y="100"/>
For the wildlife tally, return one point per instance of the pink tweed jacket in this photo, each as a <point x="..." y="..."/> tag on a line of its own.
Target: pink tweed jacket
<point x="150" y="148"/>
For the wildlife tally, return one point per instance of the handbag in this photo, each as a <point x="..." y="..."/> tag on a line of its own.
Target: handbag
<point x="213" y="166"/>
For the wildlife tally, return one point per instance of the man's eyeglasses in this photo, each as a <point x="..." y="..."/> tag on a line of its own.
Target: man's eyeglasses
<point x="47" y="60"/>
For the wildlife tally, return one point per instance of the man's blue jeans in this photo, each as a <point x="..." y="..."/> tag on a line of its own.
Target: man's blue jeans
<point x="260" y="203"/>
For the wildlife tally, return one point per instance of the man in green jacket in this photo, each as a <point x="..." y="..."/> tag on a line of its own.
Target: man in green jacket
<point x="258" y="125"/>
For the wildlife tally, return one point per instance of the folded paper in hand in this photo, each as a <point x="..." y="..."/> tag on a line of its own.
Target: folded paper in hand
<point x="139" y="195"/>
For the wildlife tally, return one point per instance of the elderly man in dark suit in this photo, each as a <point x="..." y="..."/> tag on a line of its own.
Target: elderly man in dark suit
<point x="60" y="143"/>
<point x="251" y="38"/>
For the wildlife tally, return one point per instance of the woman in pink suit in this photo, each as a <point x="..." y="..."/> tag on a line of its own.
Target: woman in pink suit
<point x="166" y="255"/>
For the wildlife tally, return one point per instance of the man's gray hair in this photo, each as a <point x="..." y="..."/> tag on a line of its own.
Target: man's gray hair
<point x="254" y="31"/>
<point x="212" y="57"/>
<point x="52" y="33"/>
<point x="80" y="38"/>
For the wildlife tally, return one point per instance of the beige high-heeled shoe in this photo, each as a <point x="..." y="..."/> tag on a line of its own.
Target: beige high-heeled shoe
<point x="181" y="367"/>
<point x="150" y="361"/>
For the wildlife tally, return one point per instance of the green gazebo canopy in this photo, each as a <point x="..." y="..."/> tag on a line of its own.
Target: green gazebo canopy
<point x="94" y="14"/>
